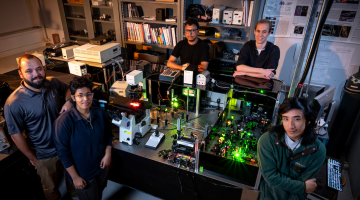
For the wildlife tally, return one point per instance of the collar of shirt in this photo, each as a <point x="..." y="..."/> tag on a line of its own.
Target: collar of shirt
<point x="266" y="46"/>
<point x="31" y="93"/>
<point x="78" y="117"/>
<point x="291" y="144"/>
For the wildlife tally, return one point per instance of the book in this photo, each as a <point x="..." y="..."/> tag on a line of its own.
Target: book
<point x="174" y="36"/>
<point x="143" y="33"/>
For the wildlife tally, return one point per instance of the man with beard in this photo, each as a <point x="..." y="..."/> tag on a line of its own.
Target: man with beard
<point x="30" y="112"/>
<point x="192" y="50"/>
<point x="259" y="58"/>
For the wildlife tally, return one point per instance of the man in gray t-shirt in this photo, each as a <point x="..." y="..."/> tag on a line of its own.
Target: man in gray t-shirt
<point x="31" y="111"/>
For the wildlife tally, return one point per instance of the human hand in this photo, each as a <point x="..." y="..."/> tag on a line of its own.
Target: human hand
<point x="238" y="74"/>
<point x="66" y="106"/>
<point x="105" y="162"/>
<point x="34" y="161"/>
<point x="184" y="66"/>
<point x="79" y="183"/>
<point x="310" y="185"/>
<point x="268" y="73"/>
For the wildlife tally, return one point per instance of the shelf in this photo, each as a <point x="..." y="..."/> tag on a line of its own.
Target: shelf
<point x="222" y="39"/>
<point x="222" y="25"/>
<point x="79" y="41"/>
<point x="105" y="7"/>
<point x="76" y="18"/>
<point x="72" y="4"/>
<point x="148" y="21"/>
<point x="153" y="45"/>
<point x="154" y="2"/>
<point x="224" y="60"/>
<point x="79" y="37"/>
<point x="103" y="21"/>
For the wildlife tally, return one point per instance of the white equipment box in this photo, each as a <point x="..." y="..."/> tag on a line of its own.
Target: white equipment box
<point x="77" y="68"/>
<point x="155" y="140"/>
<point x="119" y="88"/>
<point x="203" y="78"/>
<point x="134" y="77"/>
<point x="238" y="17"/>
<point x="3" y="142"/>
<point x="97" y="53"/>
<point x="217" y="14"/>
<point x="68" y="52"/>
<point x="227" y="16"/>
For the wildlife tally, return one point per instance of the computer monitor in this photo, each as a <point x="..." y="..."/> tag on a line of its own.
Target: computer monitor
<point x="323" y="103"/>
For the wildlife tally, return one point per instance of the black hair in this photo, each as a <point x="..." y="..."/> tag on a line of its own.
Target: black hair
<point x="190" y="21"/>
<point x="28" y="57"/>
<point x="80" y="82"/>
<point x="307" y="108"/>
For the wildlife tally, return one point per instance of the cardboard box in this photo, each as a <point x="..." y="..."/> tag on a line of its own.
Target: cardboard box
<point x="76" y="1"/>
<point x="167" y="0"/>
<point x="160" y="59"/>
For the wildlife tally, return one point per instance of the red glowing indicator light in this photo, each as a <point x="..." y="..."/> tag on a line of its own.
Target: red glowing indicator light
<point x="135" y="104"/>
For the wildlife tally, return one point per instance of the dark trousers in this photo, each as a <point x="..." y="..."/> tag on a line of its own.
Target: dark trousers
<point x="94" y="187"/>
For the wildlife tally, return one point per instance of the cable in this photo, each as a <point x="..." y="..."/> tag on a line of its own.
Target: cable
<point x="122" y="73"/>
<point x="109" y="78"/>
<point x="243" y="91"/>
<point x="220" y="86"/>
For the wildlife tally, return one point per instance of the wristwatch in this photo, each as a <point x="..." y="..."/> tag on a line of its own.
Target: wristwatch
<point x="68" y="100"/>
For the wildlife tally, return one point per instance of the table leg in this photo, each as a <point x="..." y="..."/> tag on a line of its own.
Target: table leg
<point x="106" y="78"/>
<point x="197" y="109"/>
<point x="114" y="72"/>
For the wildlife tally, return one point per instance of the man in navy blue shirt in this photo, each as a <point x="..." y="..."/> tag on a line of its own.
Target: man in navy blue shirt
<point x="31" y="111"/>
<point x="83" y="140"/>
<point x="259" y="58"/>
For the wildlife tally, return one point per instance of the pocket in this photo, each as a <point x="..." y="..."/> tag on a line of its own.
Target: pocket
<point x="297" y="168"/>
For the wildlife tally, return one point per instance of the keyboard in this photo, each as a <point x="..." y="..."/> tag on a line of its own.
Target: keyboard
<point x="169" y="74"/>
<point x="334" y="174"/>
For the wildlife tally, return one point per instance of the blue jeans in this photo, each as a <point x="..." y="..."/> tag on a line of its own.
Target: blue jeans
<point x="94" y="187"/>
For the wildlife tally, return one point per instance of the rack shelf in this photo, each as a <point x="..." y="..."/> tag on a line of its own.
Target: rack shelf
<point x="148" y="21"/>
<point x="148" y="44"/>
<point x="153" y="2"/>
<point x="76" y="18"/>
<point x="105" y="7"/>
<point x="72" y="4"/>
<point x="222" y="39"/>
<point x="103" y="21"/>
<point x="79" y="37"/>
<point x="222" y="25"/>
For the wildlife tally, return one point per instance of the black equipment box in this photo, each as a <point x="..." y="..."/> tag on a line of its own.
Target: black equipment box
<point x="163" y="13"/>
<point x="101" y="40"/>
<point x="4" y="92"/>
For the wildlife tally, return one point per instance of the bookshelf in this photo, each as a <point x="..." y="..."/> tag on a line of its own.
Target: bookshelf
<point x="71" y="22"/>
<point x="149" y="9"/>
<point x="246" y="31"/>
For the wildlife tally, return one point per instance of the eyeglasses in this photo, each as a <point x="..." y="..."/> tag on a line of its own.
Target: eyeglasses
<point x="87" y="95"/>
<point x="190" y="31"/>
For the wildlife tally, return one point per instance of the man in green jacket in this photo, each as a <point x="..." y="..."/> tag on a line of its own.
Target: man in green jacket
<point x="290" y="155"/>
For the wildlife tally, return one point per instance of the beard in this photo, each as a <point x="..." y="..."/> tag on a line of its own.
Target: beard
<point x="36" y="85"/>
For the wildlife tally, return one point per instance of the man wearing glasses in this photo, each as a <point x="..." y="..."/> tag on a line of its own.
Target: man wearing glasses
<point x="259" y="58"/>
<point x="31" y="111"/>
<point x="192" y="50"/>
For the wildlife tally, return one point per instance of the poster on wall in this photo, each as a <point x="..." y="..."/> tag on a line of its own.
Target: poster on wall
<point x="343" y="22"/>
<point x="289" y="19"/>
